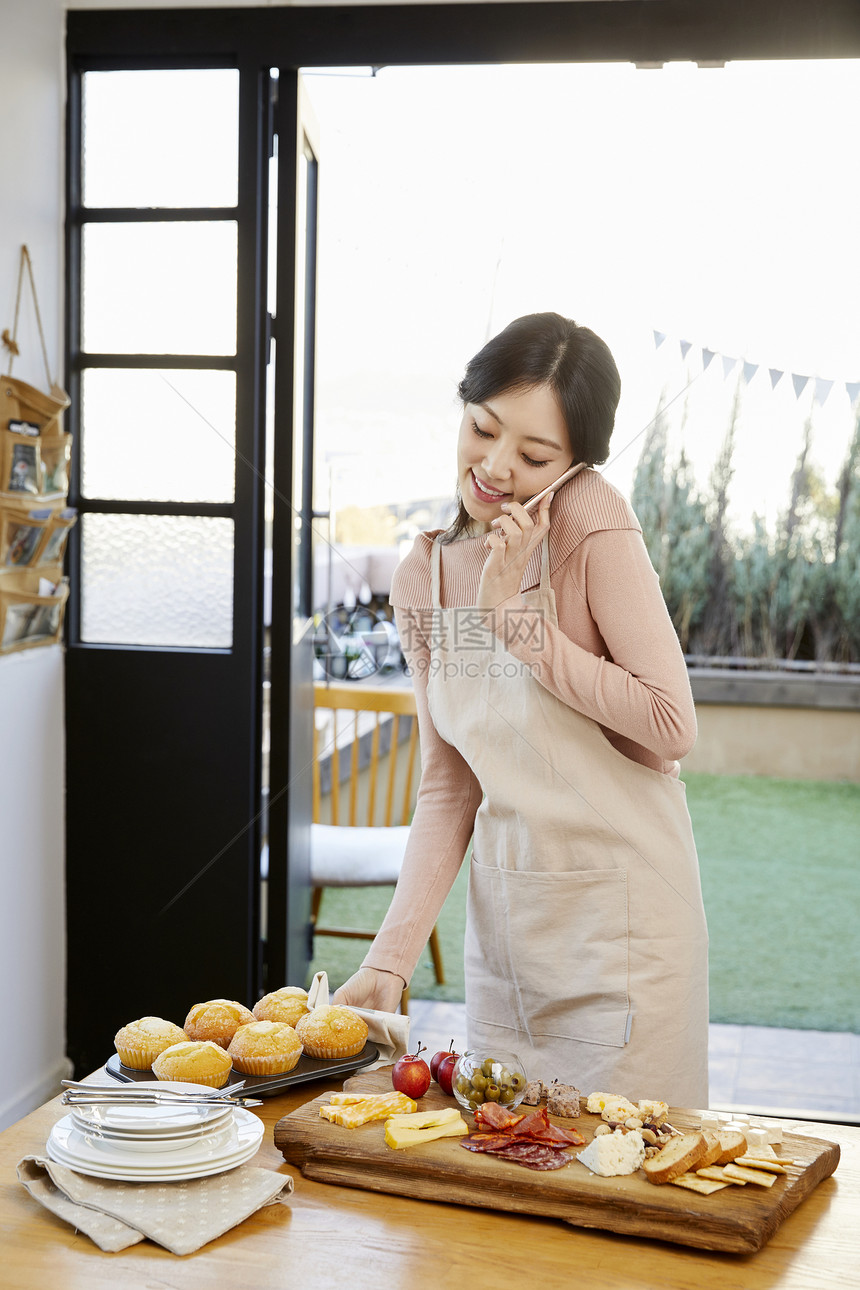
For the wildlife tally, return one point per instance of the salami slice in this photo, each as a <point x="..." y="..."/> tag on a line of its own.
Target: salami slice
<point x="533" y="1155"/>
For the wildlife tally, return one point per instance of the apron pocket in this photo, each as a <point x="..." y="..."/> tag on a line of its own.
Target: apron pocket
<point x="547" y="953"/>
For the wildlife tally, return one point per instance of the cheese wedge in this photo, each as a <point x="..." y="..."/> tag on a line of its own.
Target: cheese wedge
<point x="376" y="1106"/>
<point x="410" y="1130"/>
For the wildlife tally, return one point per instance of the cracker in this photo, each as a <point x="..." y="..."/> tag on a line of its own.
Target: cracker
<point x="749" y="1175"/>
<point x="694" y="1183"/>
<point x="754" y="1162"/>
<point x="716" y="1174"/>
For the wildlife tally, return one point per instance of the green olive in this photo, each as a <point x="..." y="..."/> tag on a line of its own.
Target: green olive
<point x="492" y="1093"/>
<point x="479" y="1081"/>
<point x="504" y="1076"/>
<point x="507" y="1095"/>
<point x="473" y="1106"/>
<point x="463" y="1085"/>
<point x="487" y="1067"/>
<point x="518" y="1081"/>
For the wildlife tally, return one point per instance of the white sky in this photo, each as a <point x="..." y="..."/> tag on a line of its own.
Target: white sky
<point x="716" y="205"/>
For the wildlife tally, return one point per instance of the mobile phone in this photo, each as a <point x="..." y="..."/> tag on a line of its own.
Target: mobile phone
<point x="538" y="497"/>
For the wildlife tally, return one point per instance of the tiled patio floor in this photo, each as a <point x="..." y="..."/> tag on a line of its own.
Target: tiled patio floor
<point x="804" y="1074"/>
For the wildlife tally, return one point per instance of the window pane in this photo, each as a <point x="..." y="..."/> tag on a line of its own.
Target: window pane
<point x="165" y="138"/>
<point x="160" y="288"/>
<point x="158" y="435"/>
<point x="157" y="580"/>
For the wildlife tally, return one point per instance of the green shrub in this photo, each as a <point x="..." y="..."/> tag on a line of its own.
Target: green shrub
<point x="793" y="593"/>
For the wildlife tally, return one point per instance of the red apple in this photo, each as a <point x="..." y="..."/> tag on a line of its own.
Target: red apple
<point x="411" y="1075"/>
<point x="445" y="1073"/>
<point x="437" y="1058"/>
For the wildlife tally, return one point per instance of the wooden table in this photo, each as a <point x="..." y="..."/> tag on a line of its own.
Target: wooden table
<point x="331" y="1236"/>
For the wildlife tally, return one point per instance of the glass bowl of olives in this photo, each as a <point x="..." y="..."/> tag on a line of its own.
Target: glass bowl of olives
<point x="489" y="1077"/>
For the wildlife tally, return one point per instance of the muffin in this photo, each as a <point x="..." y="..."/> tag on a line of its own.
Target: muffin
<point x="265" y="1048"/>
<point x="287" y="1005"/>
<point x="194" y="1062"/>
<point x="139" y="1043"/>
<point x="218" y="1020"/>
<point x="332" y="1032"/>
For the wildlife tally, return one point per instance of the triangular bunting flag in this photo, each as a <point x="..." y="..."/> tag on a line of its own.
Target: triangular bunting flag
<point x="659" y="337"/>
<point x="686" y="346"/>
<point x="775" y="377"/>
<point x="707" y="355"/>
<point x="822" y="389"/>
<point x="728" y="364"/>
<point x="750" y="370"/>
<point x="800" y="383"/>
<point x="853" y="388"/>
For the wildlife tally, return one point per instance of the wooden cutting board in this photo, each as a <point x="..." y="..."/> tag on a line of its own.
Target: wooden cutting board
<point x="737" y="1219"/>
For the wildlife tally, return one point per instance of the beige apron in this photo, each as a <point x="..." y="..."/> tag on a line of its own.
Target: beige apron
<point x="586" y="948"/>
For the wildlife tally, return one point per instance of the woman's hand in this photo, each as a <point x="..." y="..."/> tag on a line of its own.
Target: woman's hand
<point x="371" y="988"/>
<point x="510" y="547"/>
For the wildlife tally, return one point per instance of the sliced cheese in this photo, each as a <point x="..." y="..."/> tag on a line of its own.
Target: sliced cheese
<point x="399" y="1134"/>
<point x="377" y="1106"/>
<point x="427" y="1119"/>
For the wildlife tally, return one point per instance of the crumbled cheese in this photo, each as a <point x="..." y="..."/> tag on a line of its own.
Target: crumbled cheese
<point x="614" y="1153"/>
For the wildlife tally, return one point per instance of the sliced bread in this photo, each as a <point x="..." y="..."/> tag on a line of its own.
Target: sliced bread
<point x="732" y="1144"/>
<point x="676" y="1158"/>
<point x="714" y="1151"/>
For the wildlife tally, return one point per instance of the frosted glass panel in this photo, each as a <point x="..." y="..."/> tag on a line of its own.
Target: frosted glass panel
<point x="161" y="138"/>
<point x="158" y="435"/>
<point x="157" y="580"/>
<point x="160" y="288"/>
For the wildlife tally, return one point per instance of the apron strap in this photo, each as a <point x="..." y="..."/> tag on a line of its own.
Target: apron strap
<point x="435" y="572"/>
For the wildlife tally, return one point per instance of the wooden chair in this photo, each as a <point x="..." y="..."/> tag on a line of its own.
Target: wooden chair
<point x="369" y="807"/>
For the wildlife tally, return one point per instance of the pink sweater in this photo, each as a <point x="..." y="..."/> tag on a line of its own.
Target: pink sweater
<point x="614" y="657"/>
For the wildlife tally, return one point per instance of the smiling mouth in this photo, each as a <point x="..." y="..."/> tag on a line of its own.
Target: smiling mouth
<point x="484" y="492"/>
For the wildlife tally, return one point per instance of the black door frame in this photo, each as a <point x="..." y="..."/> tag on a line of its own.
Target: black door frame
<point x="639" y="31"/>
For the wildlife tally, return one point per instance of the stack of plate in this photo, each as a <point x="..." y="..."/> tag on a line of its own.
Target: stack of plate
<point x="156" y="1143"/>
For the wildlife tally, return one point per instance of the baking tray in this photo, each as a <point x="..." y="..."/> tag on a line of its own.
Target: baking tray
<point x="307" y="1070"/>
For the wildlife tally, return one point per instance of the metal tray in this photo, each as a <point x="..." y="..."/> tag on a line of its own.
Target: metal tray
<point x="307" y="1070"/>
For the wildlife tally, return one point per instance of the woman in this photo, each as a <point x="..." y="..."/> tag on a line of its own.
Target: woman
<point x="553" y="704"/>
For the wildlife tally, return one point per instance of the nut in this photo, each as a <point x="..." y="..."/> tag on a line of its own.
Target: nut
<point x="601" y="1129"/>
<point x="650" y="1136"/>
<point x="633" y="1122"/>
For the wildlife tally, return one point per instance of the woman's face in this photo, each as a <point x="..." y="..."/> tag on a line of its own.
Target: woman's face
<point x="510" y="448"/>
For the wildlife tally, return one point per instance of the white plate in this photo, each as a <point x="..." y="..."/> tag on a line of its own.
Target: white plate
<point x="145" y="1141"/>
<point x="155" y="1119"/>
<point x="178" y="1174"/>
<point x="216" y="1148"/>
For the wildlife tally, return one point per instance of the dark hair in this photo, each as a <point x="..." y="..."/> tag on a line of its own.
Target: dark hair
<point x="546" y="349"/>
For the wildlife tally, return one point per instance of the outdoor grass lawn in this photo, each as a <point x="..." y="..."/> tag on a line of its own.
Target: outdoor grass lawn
<point x="780" y="862"/>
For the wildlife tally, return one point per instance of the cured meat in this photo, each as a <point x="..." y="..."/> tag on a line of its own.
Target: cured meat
<point x="485" y="1141"/>
<point x="491" y="1115"/>
<point x="533" y="1155"/>
<point x="536" y="1127"/>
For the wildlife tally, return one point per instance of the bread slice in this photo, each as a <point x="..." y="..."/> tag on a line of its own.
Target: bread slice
<point x="733" y="1144"/>
<point x="714" y="1151"/>
<point x="676" y="1158"/>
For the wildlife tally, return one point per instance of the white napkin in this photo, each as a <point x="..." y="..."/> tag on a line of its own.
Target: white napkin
<point x="181" y="1216"/>
<point x="388" y="1030"/>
